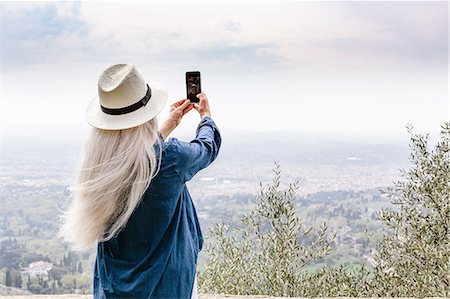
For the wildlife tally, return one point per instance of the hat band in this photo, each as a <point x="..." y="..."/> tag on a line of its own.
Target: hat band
<point x="141" y="103"/>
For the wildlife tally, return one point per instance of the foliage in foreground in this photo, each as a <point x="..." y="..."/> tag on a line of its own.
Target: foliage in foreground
<point x="415" y="259"/>
<point x="267" y="252"/>
<point x="264" y="255"/>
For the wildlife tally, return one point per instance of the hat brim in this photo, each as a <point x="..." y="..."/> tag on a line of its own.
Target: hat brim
<point x="99" y="119"/>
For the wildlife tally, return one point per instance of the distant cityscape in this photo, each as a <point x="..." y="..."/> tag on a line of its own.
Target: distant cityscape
<point x="224" y="178"/>
<point x="35" y="190"/>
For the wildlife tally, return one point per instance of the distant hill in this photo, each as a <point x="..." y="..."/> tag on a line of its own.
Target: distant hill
<point x="257" y="147"/>
<point x="310" y="149"/>
<point x="16" y="147"/>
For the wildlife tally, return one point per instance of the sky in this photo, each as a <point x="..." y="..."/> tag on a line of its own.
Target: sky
<point x="362" y="69"/>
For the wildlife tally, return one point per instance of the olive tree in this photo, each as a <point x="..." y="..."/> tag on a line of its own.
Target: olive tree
<point x="413" y="259"/>
<point x="266" y="252"/>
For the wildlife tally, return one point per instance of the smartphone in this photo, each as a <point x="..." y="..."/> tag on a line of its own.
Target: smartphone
<point x="193" y="86"/>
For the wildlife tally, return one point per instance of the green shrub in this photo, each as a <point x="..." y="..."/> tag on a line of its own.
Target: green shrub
<point x="414" y="259"/>
<point x="266" y="253"/>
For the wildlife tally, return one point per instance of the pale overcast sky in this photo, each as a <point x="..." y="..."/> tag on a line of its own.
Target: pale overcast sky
<point x="348" y="68"/>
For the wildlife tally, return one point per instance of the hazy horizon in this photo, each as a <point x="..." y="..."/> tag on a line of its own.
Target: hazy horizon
<point x="183" y="133"/>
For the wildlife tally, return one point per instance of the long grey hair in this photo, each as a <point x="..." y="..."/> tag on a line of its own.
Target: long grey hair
<point x="117" y="168"/>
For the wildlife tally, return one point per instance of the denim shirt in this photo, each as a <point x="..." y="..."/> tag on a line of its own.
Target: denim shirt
<point x="155" y="255"/>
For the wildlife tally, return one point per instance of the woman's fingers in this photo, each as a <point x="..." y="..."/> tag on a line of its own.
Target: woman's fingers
<point x="180" y="102"/>
<point x="201" y="96"/>
<point x="177" y="104"/>
<point x="189" y="108"/>
<point x="183" y="105"/>
<point x="203" y="106"/>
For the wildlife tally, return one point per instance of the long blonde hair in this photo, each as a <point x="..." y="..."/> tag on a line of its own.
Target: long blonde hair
<point x="117" y="168"/>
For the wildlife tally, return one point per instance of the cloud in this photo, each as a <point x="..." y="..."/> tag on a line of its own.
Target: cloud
<point x="229" y="24"/>
<point x="34" y="32"/>
<point x="331" y="34"/>
<point x="324" y="62"/>
<point x="150" y="33"/>
<point x="34" y="22"/>
<point x="413" y="33"/>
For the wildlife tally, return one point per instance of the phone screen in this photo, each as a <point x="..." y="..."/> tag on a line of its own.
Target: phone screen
<point x="193" y="86"/>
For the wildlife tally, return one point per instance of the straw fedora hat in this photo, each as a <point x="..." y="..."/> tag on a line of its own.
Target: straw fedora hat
<point x="124" y="99"/>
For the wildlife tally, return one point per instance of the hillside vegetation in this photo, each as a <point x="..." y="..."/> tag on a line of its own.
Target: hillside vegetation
<point x="339" y="258"/>
<point x="268" y="251"/>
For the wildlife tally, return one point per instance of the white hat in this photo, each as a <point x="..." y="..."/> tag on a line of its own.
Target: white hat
<point x="124" y="99"/>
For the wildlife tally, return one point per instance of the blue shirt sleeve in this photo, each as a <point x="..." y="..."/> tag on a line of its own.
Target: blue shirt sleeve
<point x="199" y="153"/>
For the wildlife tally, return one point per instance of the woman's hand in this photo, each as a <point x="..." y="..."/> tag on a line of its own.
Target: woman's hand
<point x="203" y="105"/>
<point x="177" y="111"/>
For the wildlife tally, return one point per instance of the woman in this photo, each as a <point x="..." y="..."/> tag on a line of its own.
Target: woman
<point x="131" y="198"/>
